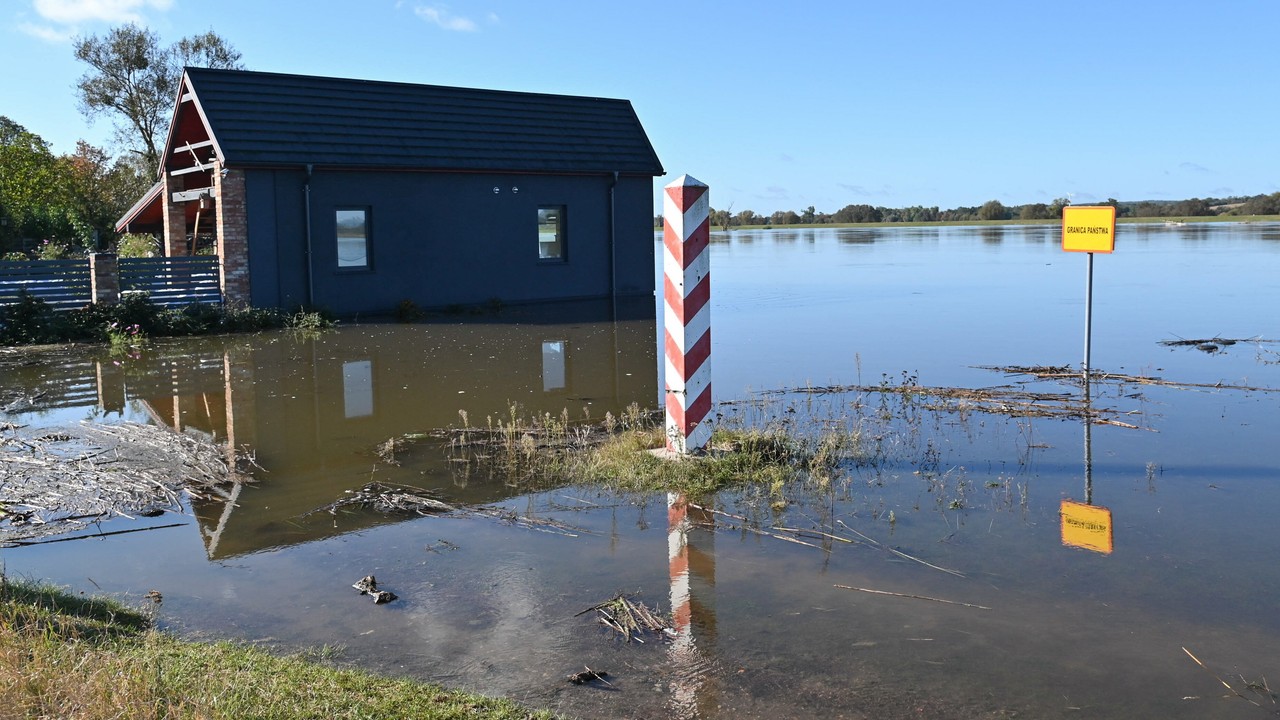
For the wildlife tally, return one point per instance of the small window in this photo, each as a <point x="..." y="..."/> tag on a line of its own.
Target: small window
<point x="353" y="238"/>
<point x="551" y="240"/>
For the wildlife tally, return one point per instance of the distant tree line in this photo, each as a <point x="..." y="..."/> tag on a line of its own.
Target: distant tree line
<point x="995" y="210"/>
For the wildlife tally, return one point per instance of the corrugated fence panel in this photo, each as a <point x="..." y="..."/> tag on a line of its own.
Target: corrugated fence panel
<point x="173" y="281"/>
<point x="63" y="284"/>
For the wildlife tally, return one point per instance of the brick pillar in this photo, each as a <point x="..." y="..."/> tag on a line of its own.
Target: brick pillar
<point x="175" y="219"/>
<point x="233" y="236"/>
<point x="104" y="278"/>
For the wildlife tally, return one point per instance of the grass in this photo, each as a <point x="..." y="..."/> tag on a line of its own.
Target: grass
<point x="551" y="449"/>
<point x="63" y="656"/>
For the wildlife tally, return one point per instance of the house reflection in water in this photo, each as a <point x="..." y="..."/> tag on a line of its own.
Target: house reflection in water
<point x="311" y="412"/>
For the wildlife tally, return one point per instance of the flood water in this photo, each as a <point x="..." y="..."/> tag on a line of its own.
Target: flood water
<point x="1032" y="627"/>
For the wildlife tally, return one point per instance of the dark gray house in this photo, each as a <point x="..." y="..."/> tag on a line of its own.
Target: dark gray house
<point x="354" y="195"/>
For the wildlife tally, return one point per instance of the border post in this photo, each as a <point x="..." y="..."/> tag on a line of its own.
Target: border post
<point x="686" y="291"/>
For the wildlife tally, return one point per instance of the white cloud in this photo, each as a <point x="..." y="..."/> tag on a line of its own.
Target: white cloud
<point x="47" y="33"/>
<point x="440" y="15"/>
<point x="70" y="12"/>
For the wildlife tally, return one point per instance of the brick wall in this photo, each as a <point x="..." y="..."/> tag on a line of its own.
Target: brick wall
<point x="233" y="236"/>
<point x="175" y="219"/>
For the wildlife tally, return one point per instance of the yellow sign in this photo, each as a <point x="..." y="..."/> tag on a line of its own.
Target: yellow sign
<point x="1088" y="228"/>
<point x="1086" y="526"/>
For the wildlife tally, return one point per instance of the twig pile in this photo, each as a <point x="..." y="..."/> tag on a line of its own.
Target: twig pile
<point x="629" y="618"/>
<point x="57" y="481"/>
<point x="390" y="499"/>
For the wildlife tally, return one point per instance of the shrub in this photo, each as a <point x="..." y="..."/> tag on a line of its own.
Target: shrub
<point x="55" y="250"/>
<point x="136" y="245"/>
<point x="27" y="322"/>
<point x="311" y="321"/>
<point x="407" y="311"/>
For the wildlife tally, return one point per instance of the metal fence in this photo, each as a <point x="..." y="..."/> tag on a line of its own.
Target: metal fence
<point x="63" y="284"/>
<point x="173" y="281"/>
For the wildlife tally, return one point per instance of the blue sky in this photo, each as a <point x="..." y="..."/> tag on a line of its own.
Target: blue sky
<point x="782" y="106"/>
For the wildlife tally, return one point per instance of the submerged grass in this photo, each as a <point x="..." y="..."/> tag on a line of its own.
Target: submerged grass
<point x="63" y="656"/>
<point x="618" y="453"/>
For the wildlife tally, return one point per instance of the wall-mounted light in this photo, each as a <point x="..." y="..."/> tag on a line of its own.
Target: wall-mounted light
<point x="496" y="189"/>
<point x="515" y="189"/>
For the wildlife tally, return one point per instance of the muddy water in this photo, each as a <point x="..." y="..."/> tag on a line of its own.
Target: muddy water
<point x="1045" y="630"/>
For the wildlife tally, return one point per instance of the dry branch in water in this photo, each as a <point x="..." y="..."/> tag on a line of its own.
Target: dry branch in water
<point x="913" y="597"/>
<point x="60" y="480"/>
<point x="1260" y="688"/>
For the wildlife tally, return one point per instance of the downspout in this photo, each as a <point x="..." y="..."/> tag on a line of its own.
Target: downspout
<point x="306" y="193"/>
<point x="613" y="255"/>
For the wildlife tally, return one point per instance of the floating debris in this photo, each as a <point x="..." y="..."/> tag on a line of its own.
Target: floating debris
<point x="629" y="618"/>
<point x="1003" y="400"/>
<point x="391" y="499"/>
<point x="1216" y="341"/>
<point x="586" y="676"/>
<point x="406" y="500"/>
<point x="54" y="481"/>
<point x="368" y="585"/>
<point x="1067" y="373"/>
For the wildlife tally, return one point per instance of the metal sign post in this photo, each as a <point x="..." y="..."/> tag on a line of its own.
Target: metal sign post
<point x="1088" y="229"/>
<point x="1088" y="320"/>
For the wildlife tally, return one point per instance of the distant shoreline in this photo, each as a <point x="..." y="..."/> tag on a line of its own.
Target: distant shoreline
<point x="956" y="223"/>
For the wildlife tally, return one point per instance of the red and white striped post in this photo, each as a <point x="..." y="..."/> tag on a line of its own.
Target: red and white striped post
<point x="686" y="290"/>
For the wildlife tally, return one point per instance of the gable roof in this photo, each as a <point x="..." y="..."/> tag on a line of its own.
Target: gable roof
<point x="271" y="119"/>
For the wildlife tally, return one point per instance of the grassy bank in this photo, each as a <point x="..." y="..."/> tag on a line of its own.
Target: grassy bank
<point x="63" y="656"/>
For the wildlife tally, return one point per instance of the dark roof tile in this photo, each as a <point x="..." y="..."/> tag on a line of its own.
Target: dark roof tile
<point x="273" y="119"/>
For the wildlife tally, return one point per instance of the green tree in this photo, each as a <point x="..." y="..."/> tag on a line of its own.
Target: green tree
<point x="100" y="188"/>
<point x="35" y="197"/>
<point x="1035" y="211"/>
<point x="858" y="214"/>
<point x="1261" y="205"/>
<point x="809" y="216"/>
<point x="135" y="81"/>
<point x="993" y="210"/>
<point x="1195" y="207"/>
<point x="784" y="217"/>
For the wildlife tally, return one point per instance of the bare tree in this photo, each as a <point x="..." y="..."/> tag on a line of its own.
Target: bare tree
<point x="134" y="80"/>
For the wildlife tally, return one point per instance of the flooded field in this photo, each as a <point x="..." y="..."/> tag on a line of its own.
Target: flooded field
<point x="930" y="579"/>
